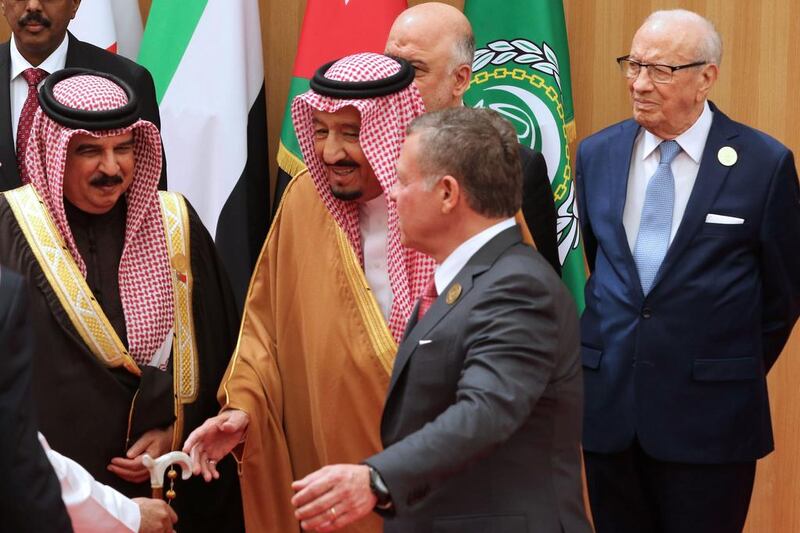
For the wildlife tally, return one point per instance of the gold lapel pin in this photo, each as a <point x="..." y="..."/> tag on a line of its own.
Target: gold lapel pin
<point x="453" y="293"/>
<point x="727" y="156"/>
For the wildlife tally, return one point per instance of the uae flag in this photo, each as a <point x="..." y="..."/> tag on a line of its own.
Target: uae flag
<point x="114" y="25"/>
<point x="521" y="70"/>
<point x="331" y="29"/>
<point x="205" y="58"/>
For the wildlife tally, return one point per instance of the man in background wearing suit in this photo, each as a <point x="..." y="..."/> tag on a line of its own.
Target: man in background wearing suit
<point x="481" y="425"/>
<point x="691" y="224"/>
<point x="437" y="40"/>
<point x="41" y="45"/>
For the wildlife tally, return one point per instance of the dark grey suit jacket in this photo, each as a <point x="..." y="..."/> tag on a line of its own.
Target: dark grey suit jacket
<point x="83" y="55"/>
<point x="482" y="422"/>
<point x="30" y="495"/>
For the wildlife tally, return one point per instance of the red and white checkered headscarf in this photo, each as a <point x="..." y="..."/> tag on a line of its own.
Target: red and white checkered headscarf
<point x="383" y="129"/>
<point x="145" y="284"/>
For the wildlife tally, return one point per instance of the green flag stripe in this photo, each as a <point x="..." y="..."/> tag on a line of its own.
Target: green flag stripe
<point x="169" y="29"/>
<point x="288" y="138"/>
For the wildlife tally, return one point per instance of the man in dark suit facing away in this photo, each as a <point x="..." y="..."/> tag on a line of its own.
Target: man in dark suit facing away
<point x="481" y="426"/>
<point x="30" y="495"/>
<point x="41" y="45"/>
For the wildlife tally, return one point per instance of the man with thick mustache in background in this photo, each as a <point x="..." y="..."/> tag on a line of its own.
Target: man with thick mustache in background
<point x="41" y="45"/>
<point x="134" y="318"/>
<point x="329" y="299"/>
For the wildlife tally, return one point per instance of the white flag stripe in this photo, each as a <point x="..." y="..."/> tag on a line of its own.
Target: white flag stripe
<point x="205" y="109"/>
<point x="128" y="26"/>
<point x="94" y="23"/>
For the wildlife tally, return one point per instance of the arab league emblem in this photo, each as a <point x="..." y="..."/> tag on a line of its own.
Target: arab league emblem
<point x="521" y="80"/>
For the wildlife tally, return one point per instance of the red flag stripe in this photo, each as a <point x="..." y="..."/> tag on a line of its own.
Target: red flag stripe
<point x="336" y="28"/>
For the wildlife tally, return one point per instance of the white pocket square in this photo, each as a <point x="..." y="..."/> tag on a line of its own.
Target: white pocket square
<point x="712" y="218"/>
<point x="423" y="342"/>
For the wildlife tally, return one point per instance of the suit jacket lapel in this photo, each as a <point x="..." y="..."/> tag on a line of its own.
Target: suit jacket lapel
<point x="75" y="55"/>
<point x="9" y="174"/>
<point x="620" y="152"/>
<point x="710" y="177"/>
<point x="478" y="263"/>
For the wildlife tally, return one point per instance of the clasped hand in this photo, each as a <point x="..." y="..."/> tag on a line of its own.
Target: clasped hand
<point x="155" y="442"/>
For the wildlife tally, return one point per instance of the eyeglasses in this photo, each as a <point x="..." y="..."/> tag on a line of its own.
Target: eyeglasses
<point x="656" y="72"/>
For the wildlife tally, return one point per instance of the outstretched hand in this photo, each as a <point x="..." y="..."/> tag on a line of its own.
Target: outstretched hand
<point x="214" y="440"/>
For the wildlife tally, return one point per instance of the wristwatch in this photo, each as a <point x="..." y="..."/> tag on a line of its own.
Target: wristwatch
<point x="379" y="489"/>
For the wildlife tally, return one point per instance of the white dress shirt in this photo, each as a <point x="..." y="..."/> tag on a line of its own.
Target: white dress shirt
<point x="18" y="87"/>
<point x="644" y="162"/>
<point x="374" y="224"/>
<point x="92" y="506"/>
<point x="450" y="267"/>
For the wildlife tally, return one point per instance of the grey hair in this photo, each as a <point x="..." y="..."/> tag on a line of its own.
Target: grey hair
<point x="463" y="50"/>
<point x="710" y="46"/>
<point x="479" y="149"/>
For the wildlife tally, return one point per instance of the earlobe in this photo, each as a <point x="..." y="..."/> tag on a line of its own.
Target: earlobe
<point x="463" y="74"/>
<point x="449" y="194"/>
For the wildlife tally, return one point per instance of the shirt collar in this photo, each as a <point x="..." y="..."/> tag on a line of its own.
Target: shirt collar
<point x="450" y="267"/>
<point x="691" y="141"/>
<point x="54" y="62"/>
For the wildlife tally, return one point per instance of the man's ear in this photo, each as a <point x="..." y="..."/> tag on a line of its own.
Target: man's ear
<point x="709" y="76"/>
<point x="463" y="73"/>
<point x="450" y="193"/>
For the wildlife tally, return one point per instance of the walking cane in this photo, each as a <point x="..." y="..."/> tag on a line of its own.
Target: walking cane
<point x="158" y="467"/>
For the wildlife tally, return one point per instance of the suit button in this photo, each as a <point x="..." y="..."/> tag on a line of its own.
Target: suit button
<point x="647" y="312"/>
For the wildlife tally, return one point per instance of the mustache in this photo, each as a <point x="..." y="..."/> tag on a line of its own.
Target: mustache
<point x="104" y="180"/>
<point x="343" y="163"/>
<point x="34" y="17"/>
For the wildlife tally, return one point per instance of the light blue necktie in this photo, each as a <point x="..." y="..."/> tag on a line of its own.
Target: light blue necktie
<point x="656" y="224"/>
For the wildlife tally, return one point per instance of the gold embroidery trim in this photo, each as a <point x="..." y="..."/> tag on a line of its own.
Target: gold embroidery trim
<point x="379" y="335"/>
<point x="176" y="229"/>
<point x="185" y="373"/>
<point x="66" y="280"/>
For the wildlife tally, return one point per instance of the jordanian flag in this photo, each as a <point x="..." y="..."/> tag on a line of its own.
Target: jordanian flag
<point x="331" y="29"/>
<point x="205" y="57"/>
<point x="521" y="70"/>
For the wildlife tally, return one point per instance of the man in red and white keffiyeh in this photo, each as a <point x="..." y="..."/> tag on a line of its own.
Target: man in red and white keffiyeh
<point x="56" y="151"/>
<point x="378" y="123"/>
<point x="329" y="298"/>
<point x="92" y="213"/>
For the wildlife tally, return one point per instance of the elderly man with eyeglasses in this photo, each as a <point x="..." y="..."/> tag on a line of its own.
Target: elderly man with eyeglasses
<point x="691" y="223"/>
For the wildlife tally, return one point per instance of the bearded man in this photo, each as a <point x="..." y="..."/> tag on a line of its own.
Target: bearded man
<point x="331" y="294"/>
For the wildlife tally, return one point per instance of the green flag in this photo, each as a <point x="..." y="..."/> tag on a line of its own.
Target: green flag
<point x="521" y="70"/>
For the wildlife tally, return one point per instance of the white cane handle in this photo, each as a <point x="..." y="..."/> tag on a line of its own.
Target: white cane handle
<point x="158" y="467"/>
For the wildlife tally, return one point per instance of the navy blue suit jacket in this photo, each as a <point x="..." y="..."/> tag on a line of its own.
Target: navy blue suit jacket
<point x="684" y="369"/>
